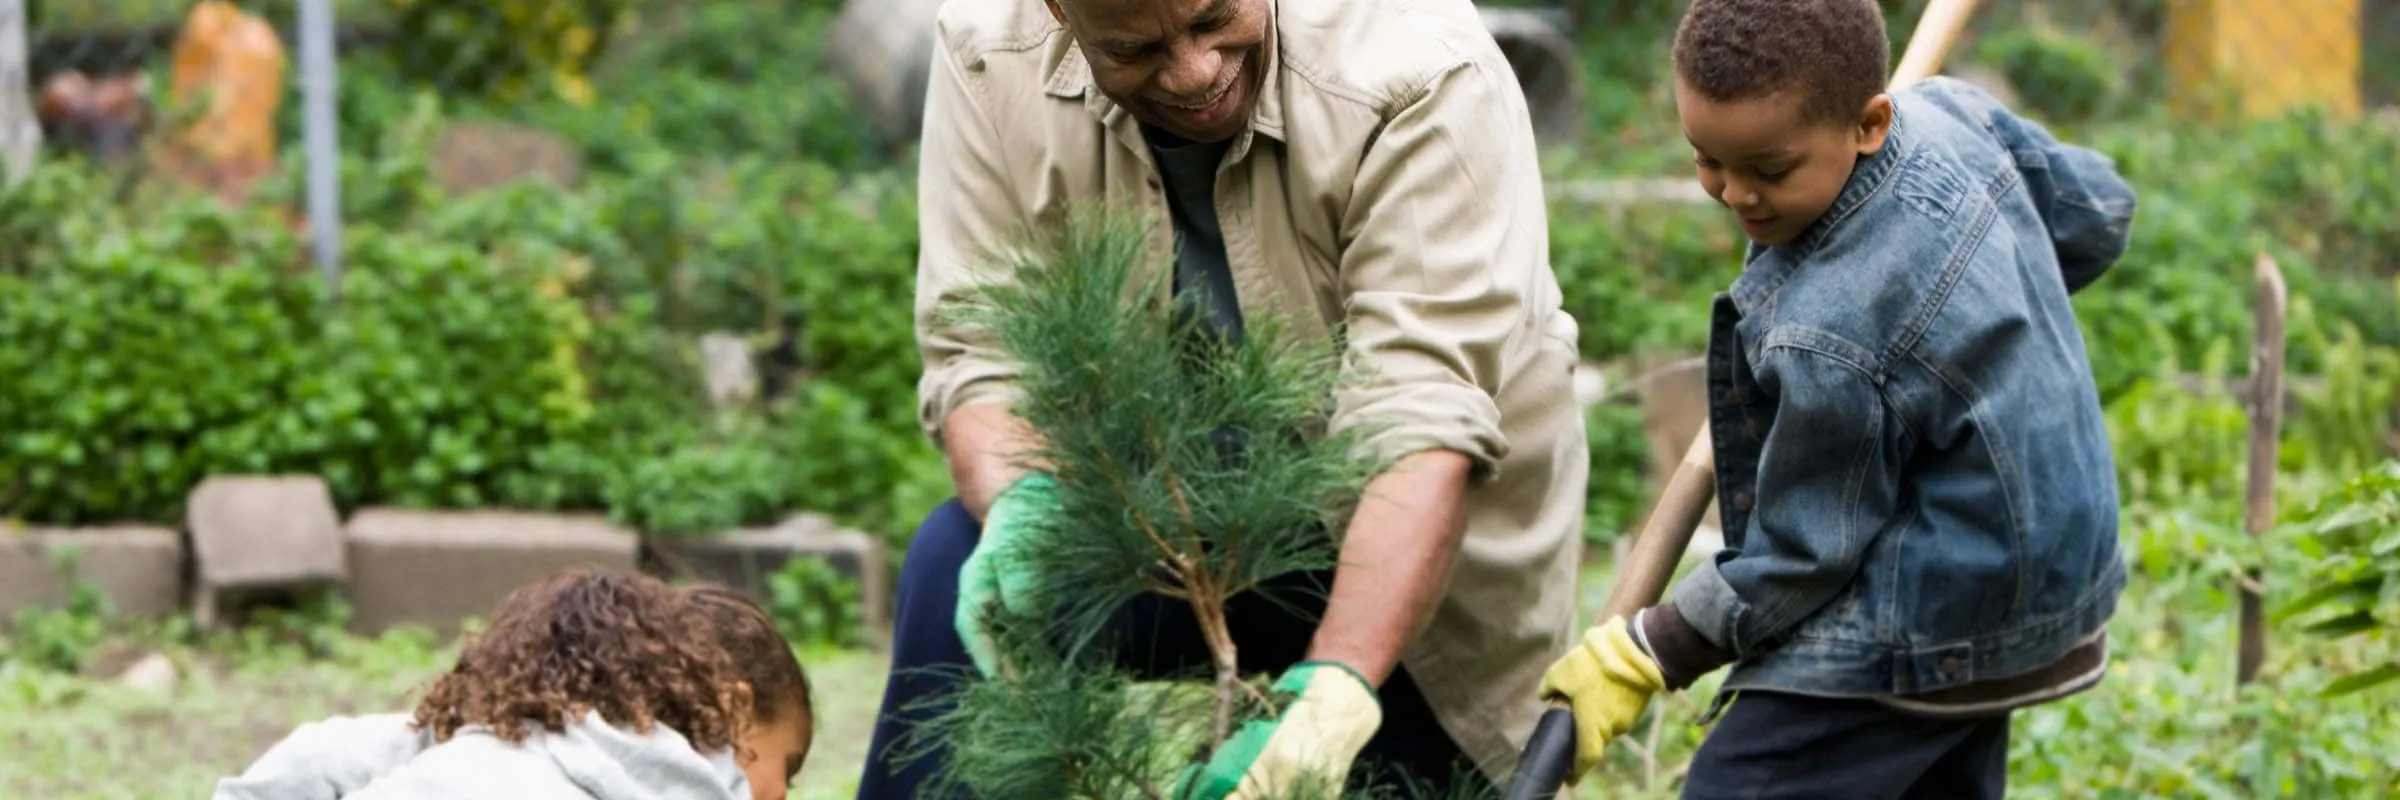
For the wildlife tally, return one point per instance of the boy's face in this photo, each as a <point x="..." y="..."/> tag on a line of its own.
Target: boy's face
<point x="777" y="749"/>
<point x="1777" y="170"/>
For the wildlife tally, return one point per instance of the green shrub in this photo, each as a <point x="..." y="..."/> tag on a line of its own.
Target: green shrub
<point x="2061" y="78"/>
<point x="2351" y="543"/>
<point x="1615" y="498"/>
<point x="142" y="361"/>
<point x="1641" y="278"/>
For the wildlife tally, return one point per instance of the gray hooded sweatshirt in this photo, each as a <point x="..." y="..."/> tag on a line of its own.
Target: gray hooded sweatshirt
<point x="379" y="758"/>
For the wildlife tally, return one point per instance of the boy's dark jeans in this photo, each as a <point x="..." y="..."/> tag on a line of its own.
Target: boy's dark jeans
<point x="1775" y="745"/>
<point x="1157" y="636"/>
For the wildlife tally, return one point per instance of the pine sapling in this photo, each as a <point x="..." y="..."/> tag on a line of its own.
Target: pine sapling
<point x="1189" y="467"/>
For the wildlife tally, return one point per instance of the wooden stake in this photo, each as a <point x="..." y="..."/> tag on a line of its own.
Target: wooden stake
<point x="2266" y="425"/>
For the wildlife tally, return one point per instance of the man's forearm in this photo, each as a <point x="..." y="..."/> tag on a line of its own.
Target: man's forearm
<point x="1395" y="560"/>
<point x="985" y="444"/>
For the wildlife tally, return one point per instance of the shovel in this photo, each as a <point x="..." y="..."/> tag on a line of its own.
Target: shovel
<point x="1550" y="754"/>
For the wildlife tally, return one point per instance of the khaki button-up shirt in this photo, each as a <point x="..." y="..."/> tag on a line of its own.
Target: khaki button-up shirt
<point x="1388" y="183"/>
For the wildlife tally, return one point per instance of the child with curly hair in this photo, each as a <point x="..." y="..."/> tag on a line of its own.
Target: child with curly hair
<point x="588" y="684"/>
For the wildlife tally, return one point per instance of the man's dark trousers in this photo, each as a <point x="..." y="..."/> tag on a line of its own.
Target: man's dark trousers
<point x="1157" y="636"/>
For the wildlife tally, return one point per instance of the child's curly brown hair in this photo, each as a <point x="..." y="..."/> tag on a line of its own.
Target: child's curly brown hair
<point x="778" y="684"/>
<point x="624" y="644"/>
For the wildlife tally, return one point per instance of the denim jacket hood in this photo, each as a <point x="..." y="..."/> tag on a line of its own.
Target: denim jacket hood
<point x="1914" y="478"/>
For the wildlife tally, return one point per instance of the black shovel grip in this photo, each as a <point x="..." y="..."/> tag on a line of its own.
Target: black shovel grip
<point x="1549" y="755"/>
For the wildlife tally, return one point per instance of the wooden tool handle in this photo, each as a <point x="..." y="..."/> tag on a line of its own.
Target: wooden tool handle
<point x="1936" y="31"/>
<point x="1642" y="579"/>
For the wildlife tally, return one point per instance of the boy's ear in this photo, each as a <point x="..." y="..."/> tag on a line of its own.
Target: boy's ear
<point x="1874" y="124"/>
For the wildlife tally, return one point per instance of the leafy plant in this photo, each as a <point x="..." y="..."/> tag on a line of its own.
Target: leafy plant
<point x="2065" y="79"/>
<point x="814" y="605"/>
<point x="2352" y="541"/>
<point x="60" y="638"/>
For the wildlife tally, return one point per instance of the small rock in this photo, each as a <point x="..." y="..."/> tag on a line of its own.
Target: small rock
<point x="154" y="672"/>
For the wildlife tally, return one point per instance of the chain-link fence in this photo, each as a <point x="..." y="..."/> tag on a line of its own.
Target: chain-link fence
<point x="809" y="79"/>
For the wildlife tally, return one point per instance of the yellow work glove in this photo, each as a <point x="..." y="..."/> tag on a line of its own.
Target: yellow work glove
<point x="1607" y="680"/>
<point x="1309" y="746"/>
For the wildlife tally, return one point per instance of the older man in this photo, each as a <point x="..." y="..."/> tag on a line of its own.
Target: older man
<point x="1361" y="164"/>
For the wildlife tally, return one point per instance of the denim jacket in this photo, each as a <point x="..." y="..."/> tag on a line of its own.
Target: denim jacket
<point x="1913" y="476"/>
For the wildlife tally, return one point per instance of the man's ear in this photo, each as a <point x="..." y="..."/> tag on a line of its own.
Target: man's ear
<point x="1874" y="124"/>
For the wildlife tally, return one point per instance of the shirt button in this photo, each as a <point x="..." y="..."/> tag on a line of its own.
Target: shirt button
<point x="1741" y="501"/>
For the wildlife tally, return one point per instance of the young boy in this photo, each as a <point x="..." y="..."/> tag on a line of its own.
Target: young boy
<point x="1915" y="485"/>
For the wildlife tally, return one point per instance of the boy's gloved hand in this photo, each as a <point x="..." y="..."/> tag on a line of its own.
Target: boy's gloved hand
<point x="995" y="573"/>
<point x="1314" y="740"/>
<point x="1607" y="679"/>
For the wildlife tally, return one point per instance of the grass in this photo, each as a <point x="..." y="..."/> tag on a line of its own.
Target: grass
<point x="2168" y="722"/>
<point x="73" y="738"/>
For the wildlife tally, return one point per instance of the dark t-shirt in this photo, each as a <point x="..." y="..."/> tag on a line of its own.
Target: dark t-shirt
<point x="1190" y="171"/>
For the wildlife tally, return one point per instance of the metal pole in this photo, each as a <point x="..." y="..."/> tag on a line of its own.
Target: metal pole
<point x="317" y="85"/>
<point x="20" y="133"/>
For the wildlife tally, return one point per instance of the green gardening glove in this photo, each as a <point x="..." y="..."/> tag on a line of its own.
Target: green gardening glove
<point x="994" y="575"/>
<point x="1309" y="746"/>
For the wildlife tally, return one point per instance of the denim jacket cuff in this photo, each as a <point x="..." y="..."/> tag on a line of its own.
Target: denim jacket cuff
<point x="1709" y="605"/>
<point x="1683" y="655"/>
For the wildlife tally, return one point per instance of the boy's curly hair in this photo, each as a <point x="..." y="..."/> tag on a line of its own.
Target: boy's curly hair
<point x="587" y="640"/>
<point x="1833" y="52"/>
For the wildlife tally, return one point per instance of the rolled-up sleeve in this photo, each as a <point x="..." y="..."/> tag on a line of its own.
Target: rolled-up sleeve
<point x="1444" y="232"/>
<point x="965" y="214"/>
<point x="1828" y="486"/>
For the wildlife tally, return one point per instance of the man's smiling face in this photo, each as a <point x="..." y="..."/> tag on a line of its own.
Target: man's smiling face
<point x="1188" y="67"/>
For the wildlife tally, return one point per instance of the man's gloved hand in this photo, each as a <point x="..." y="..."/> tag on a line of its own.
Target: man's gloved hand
<point x="1314" y="740"/>
<point x="994" y="573"/>
<point x="1607" y="679"/>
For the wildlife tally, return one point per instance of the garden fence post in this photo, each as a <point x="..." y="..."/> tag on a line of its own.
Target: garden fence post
<point x="317" y="86"/>
<point x="2266" y="425"/>
<point x="20" y="132"/>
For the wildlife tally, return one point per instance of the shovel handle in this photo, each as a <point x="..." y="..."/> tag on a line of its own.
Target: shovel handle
<point x="1549" y="756"/>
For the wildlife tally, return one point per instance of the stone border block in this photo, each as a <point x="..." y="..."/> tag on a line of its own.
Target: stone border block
<point x="437" y="568"/>
<point x="745" y="559"/>
<point x="261" y="530"/>
<point x="139" y="568"/>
